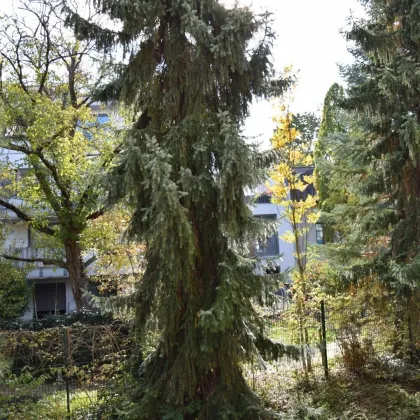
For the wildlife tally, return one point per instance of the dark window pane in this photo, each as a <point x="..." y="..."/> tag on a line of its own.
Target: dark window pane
<point x="319" y="233"/>
<point x="270" y="247"/>
<point x="50" y="297"/>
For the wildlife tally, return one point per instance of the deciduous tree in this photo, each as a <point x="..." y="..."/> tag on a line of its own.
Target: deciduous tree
<point x="292" y="186"/>
<point x="54" y="150"/>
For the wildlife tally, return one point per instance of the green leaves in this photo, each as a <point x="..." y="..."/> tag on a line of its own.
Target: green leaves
<point x="369" y="151"/>
<point x="62" y="148"/>
<point x="14" y="292"/>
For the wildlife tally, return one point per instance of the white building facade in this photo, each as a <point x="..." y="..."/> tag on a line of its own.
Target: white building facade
<point x="275" y="249"/>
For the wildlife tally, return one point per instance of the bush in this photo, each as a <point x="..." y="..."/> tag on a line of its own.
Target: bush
<point x="84" y="317"/>
<point x="77" y="346"/>
<point x="14" y="291"/>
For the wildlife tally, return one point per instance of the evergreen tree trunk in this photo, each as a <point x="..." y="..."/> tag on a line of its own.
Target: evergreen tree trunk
<point x="184" y="169"/>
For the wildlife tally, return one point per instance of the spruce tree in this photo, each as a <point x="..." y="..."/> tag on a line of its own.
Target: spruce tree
<point x="193" y="69"/>
<point x="384" y="91"/>
<point x="377" y="210"/>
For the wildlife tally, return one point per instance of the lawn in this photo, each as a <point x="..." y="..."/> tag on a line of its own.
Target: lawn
<point x="48" y="406"/>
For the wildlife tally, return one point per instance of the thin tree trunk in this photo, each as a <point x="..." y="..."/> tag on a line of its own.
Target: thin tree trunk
<point x="308" y="351"/>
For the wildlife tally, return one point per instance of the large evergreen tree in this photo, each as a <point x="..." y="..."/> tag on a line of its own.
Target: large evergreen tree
<point x="375" y="148"/>
<point x="384" y="91"/>
<point x="193" y="69"/>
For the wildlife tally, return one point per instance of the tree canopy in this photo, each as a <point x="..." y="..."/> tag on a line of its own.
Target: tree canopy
<point x="369" y="138"/>
<point x="56" y="141"/>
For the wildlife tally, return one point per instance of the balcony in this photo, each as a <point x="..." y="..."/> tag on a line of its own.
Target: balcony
<point x="40" y="270"/>
<point x="32" y="252"/>
<point x="259" y="199"/>
<point x="270" y="248"/>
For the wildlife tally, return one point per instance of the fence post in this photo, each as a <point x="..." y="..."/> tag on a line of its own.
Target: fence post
<point x="324" y="340"/>
<point x="66" y="365"/>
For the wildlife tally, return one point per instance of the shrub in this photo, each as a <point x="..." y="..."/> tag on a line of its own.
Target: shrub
<point x="14" y="292"/>
<point x="84" y="317"/>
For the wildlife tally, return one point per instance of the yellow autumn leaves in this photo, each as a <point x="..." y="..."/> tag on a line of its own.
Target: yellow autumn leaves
<point x="289" y="184"/>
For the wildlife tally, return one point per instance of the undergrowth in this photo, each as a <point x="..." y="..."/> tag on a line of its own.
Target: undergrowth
<point x="390" y="391"/>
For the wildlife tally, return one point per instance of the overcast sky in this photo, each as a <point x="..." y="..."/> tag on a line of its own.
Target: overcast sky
<point x="308" y="38"/>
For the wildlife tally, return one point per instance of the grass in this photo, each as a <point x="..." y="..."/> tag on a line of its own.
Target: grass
<point x="53" y="406"/>
<point x="366" y="398"/>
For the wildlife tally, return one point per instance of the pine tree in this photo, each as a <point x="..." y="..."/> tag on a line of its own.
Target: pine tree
<point x="193" y="69"/>
<point x="335" y="162"/>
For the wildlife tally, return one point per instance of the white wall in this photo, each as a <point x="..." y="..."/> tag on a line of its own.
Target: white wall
<point x="16" y="235"/>
<point x="286" y="250"/>
<point x="70" y="303"/>
<point x="11" y="156"/>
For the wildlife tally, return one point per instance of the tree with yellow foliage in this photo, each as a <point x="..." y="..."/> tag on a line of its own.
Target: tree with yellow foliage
<point x="54" y="151"/>
<point x="292" y="188"/>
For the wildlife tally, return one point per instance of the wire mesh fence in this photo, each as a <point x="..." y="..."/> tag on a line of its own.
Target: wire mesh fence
<point x="59" y="372"/>
<point x="346" y="337"/>
<point x="63" y="372"/>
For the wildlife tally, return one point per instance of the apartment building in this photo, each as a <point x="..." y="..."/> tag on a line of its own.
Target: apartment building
<point x="281" y="254"/>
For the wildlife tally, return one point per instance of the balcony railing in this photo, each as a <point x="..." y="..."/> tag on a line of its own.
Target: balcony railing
<point x="270" y="248"/>
<point x="31" y="252"/>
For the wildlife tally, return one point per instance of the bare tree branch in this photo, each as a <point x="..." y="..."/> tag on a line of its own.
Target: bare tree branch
<point x="96" y="214"/>
<point x="16" y="63"/>
<point x="90" y="261"/>
<point x="46" y="188"/>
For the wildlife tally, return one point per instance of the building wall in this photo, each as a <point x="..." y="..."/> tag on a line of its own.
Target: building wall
<point x="286" y="250"/>
<point x="16" y="234"/>
<point x="17" y="237"/>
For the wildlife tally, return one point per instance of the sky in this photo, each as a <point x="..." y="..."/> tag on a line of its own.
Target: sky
<point x="309" y="39"/>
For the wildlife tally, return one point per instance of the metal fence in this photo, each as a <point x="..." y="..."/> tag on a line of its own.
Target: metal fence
<point x="333" y="338"/>
<point x="59" y="373"/>
<point x="62" y="372"/>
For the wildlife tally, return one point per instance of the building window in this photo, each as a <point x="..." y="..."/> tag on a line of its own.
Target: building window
<point x="319" y="233"/>
<point x="269" y="247"/>
<point x="50" y="299"/>
<point x="273" y="270"/>
<point x="263" y="199"/>
<point x="103" y="118"/>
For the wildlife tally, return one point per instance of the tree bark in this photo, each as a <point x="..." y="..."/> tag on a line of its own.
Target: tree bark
<point x="77" y="274"/>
